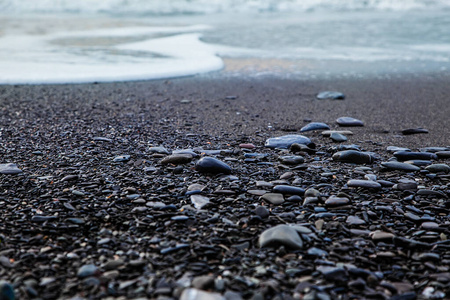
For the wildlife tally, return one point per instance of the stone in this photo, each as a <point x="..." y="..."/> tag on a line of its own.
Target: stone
<point x="199" y="201"/>
<point x="337" y="137"/>
<point x="101" y="139"/>
<point x="292" y="159"/>
<point x="311" y="192"/>
<point x="212" y="165"/>
<point x="176" y="159"/>
<point x="9" y="169"/>
<point x="6" y="291"/>
<point x="406" y="155"/>
<point x="367" y="184"/>
<point x="337" y="201"/>
<point x="196" y="294"/>
<point x="247" y="146"/>
<point x="395" y="165"/>
<point x="159" y="150"/>
<point x="336" y="274"/>
<point x="438" y="168"/>
<point x="274" y="198"/>
<point x="330" y="95"/>
<point x="392" y="149"/>
<point x="262" y="212"/>
<point x="203" y="282"/>
<point x="353" y="156"/>
<point x="443" y="154"/>
<point x="87" y="270"/>
<point x="381" y="236"/>
<point x="349" y="122"/>
<point x="122" y="158"/>
<point x="410" y="131"/>
<point x="314" y="126"/>
<point x="282" y="235"/>
<point x="285" y="141"/>
<point x="328" y="133"/>
<point x="287" y="189"/>
<point x="301" y="148"/>
<point x="354" y="220"/>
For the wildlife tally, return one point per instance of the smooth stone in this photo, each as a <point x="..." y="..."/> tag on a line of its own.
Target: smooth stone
<point x="434" y="149"/>
<point x="122" y="158"/>
<point x="301" y="148"/>
<point x="212" y="165"/>
<point x="354" y="220"/>
<point x="313" y="251"/>
<point x="406" y="186"/>
<point x="113" y="264"/>
<point x="262" y="212"/>
<point x="438" y="168"/>
<point x="203" y="282"/>
<point x="337" y="137"/>
<point x="381" y="235"/>
<point x="101" y="139"/>
<point x="371" y="177"/>
<point x="412" y="217"/>
<point x="257" y="192"/>
<point x="176" y="159"/>
<point x="385" y="183"/>
<point x="196" y="187"/>
<point x="285" y="141"/>
<point x="431" y="192"/>
<point x="333" y="273"/>
<point x="87" y="270"/>
<point x="312" y="192"/>
<point x="159" y="150"/>
<point x="367" y="184"/>
<point x="430" y="225"/>
<point x="394" y="165"/>
<point x="349" y="121"/>
<point x="393" y="149"/>
<point x="196" y="294"/>
<point x="410" y="131"/>
<point x="443" y="154"/>
<point x="418" y="162"/>
<point x="185" y="151"/>
<point x="347" y="147"/>
<point x="247" y="146"/>
<point x="328" y="133"/>
<point x="406" y="155"/>
<point x="282" y="235"/>
<point x="9" y="169"/>
<point x="314" y="126"/>
<point x="287" y="189"/>
<point x="330" y="95"/>
<point x="353" y="156"/>
<point x="292" y="159"/>
<point x="199" y="201"/>
<point x="6" y="291"/>
<point x="274" y="198"/>
<point x="337" y="201"/>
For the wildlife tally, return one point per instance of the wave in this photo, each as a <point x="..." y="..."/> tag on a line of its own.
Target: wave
<point x="169" y="7"/>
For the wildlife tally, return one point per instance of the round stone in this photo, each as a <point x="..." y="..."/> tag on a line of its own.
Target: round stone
<point x="353" y="156"/>
<point x="337" y="201"/>
<point x="292" y="159"/>
<point x="348" y="121"/>
<point x="87" y="270"/>
<point x="287" y="189"/>
<point x="212" y="165"/>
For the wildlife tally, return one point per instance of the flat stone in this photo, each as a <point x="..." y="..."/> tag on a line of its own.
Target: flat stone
<point x="367" y="184"/>
<point x="337" y="137"/>
<point x="287" y="189"/>
<point x="247" y="146"/>
<point x="9" y="169"/>
<point x="406" y="155"/>
<point x="354" y="220"/>
<point x="406" y="186"/>
<point x="122" y="158"/>
<point x="274" y="198"/>
<point x="349" y="121"/>
<point x="87" y="270"/>
<point x="410" y="131"/>
<point x="328" y="133"/>
<point x="212" y="165"/>
<point x="159" y="150"/>
<point x="430" y="226"/>
<point x="314" y="126"/>
<point x="353" y="156"/>
<point x="196" y="294"/>
<point x="381" y="235"/>
<point x="418" y="162"/>
<point x="285" y="141"/>
<point x="199" y="201"/>
<point x="438" y="168"/>
<point x="337" y="201"/>
<point x="176" y="159"/>
<point x="101" y="139"/>
<point x="333" y="95"/>
<point x="292" y="159"/>
<point x="394" y="165"/>
<point x="443" y="154"/>
<point x="392" y="149"/>
<point x="282" y="235"/>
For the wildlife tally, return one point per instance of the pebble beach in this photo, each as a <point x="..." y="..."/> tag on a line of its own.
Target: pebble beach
<point x="212" y="187"/>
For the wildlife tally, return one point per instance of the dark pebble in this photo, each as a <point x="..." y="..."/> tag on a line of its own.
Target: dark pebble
<point x="286" y="189"/>
<point x="285" y="141"/>
<point x="414" y="131"/>
<point x="212" y="165"/>
<point x="406" y="155"/>
<point x="349" y="122"/>
<point x="314" y="126"/>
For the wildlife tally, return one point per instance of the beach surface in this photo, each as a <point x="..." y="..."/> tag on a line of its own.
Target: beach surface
<point x="94" y="210"/>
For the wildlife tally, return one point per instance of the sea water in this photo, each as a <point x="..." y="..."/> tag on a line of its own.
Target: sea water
<point x="65" y="41"/>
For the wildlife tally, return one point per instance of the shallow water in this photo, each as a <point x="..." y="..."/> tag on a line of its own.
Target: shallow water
<point x="44" y="43"/>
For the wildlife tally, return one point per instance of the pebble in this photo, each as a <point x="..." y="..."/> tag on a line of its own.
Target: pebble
<point x="328" y="133"/>
<point x="177" y="159"/>
<point x="354" y="220"/>
<point x="410" y="131"/>
<point x="199" y="201"/>
<point x="337" y="137"/>
<point x="262" y="212"/>
<point x="292" y="159"/>
<point x="102" y="139"/>
<point x="314" y="126"/>
<point x="406" y="155"/>
<point x="301" y="148"/>
<point x="159" y="150"/>
<point x="330" y="95"/>
<point x="196" y="294"/>
<point x="6" y="291"/>
<point x="122" y="158"/>
<point x="212" y="165"/>
<point x="392" y="149"/>
<point x="443" y="154"/>
<point x="394" y="165"/>
<point x="438" y="168"/>
<point x="367" y="184"/>
<point x="381" y="236"/>
<point x="247" y="146"/>
<point x="274" y="198"/>
<point x="287" y="189"/>
<point x="9" y="169"/>
<point x="282" y="235"/>
<point x="87" y="270"/>
<point x="349" y="121"/>
<point x="337" y="201"/>
<point x="285" y="141"/>
<point x="353" y="156"/>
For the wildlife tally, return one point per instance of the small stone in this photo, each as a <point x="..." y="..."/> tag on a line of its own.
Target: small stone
<point x="337" y="137"/>
<point x="371" y="177"/>
<point x="337" y="201"/>
<point x="196" y="294"/>
<point x="113" y="264"/>
<point x="176" y="159"/>
<point x="274" y="198"/>
<point x="203" y="282"/>
<point x="438" y="168"/>
<point x="336" y="274"/>
<point x="330" y="95"/>
<point x="406" y="155"/>
<point x="311" y="192"/>
<point x="6" y="291"/>
<point x="348" y="121"/>
<point x="394" y="165"/>
<point x="430" y="226"/>
<point x="443" y="154"/>
<point x="314" y="126"/>
<point x="9" y="169"/>
<point x="247" y="146"/>
<point x="159" y="150"/>
<point x="353" y="156"/>
<point x="292" y="159"/>
<point x="328" y="133"/>
<point x="101" y="139"/>
<point x="354" y="220"/>
<point x="87" y="270"/>
<point x="381" y="235"/>
<point x="212" y="165"/>
<point x="285" y="141"/>
<point x="282" y="235"/>
<point x="199" y="201"/>
<point x="122" y="158"/>
<point x="406" y="186"/>
<point x="301" y="148"/>
<point x="262" y="212"/>
<point x="414" y="131"/>
<point x="393" y="149"/>
<point x="367" y="184"/>
<point x="287" y="189"/>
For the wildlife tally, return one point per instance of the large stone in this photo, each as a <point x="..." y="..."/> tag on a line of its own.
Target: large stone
<point x="9" y="169"/>
<point x="338" y="138"/>
<point x="283" y="235"/>
<point x="212" y="165"/>
<point x="395" y="165"/>
<point x="410" y="131"/>
<point x="199" y="201"/>
<point x="353" y="156"/>
<point x="407" y="155"/>
<point x="285" y="141"/>
<point x="438" y="168"/>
